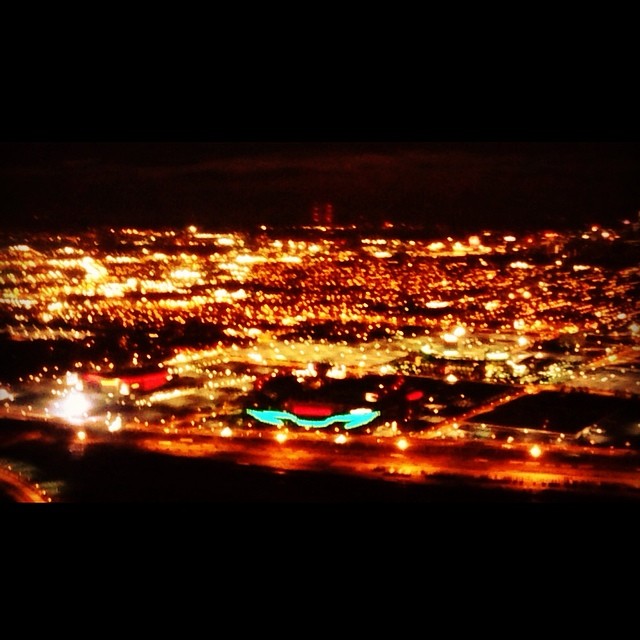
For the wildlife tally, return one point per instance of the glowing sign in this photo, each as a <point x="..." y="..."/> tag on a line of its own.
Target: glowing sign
<point x="353" y="420"/>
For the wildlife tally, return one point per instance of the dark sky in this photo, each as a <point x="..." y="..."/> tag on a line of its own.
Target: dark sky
<point x="459" y="185"/>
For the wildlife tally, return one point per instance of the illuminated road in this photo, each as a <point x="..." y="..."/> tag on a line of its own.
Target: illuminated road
<point x="401" y="459"/>
<point x="407" y="458"/>
<point x="19" y="489"/>
<point x="369" y="458"/>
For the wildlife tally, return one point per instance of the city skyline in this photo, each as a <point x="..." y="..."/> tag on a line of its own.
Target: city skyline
<point x="447" y="186"/>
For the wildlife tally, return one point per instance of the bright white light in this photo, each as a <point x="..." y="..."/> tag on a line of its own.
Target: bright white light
<point x="94" y="270"/>
<point x="402" y="444"/>
<point x="459" y="331"/>
<point x="337" y="372"/>
<point x="5" y="395"/>
<point x="281" y="437"/>
<point x="185" y="274"/>
<point x="115" y="424"/>
<point x="249" y="259"/>
<point x="75" y="405"/>
<point x="226" y="432"/>
<point x="340" y="439"/>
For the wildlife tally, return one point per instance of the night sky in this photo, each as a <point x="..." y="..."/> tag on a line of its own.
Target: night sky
<point x="447" y="186"/>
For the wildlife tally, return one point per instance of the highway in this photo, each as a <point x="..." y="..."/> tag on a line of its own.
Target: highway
<point x="400" y="459"/>
<point x="369" y="457"/>
<point x="18" y="488"/>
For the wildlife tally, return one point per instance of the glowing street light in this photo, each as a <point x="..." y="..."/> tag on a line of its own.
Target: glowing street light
<point x="535" y="451"/>
<point x="75" y="405"/>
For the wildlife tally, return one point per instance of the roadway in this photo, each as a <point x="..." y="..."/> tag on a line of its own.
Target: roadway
<point x="404" y="458"/>
<point x="18" y="488"/>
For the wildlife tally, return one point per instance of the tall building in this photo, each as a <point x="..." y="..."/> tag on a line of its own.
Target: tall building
<point x="322" y="214"/>
<point x="328" y="215"/>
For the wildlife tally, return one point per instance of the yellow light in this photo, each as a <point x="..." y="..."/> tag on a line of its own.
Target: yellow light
<point x="226" y="432"/>
<point x="281" y="437"/>
<point x="82" y="435"/>
<point x="115" y="425"/>
<point x="535" y="451"/>
<point x="340" y="439"/>
<point x="402" y="444"/>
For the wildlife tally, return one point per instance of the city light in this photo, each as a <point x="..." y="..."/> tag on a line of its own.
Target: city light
<point x="535" y="451"/>
<point x="74" y="405"/>
<point x="317" y="337"/>
<point x="115" y="424"/>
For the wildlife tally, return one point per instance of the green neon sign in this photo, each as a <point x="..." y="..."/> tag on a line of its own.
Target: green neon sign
<point x="349" y="420"/>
